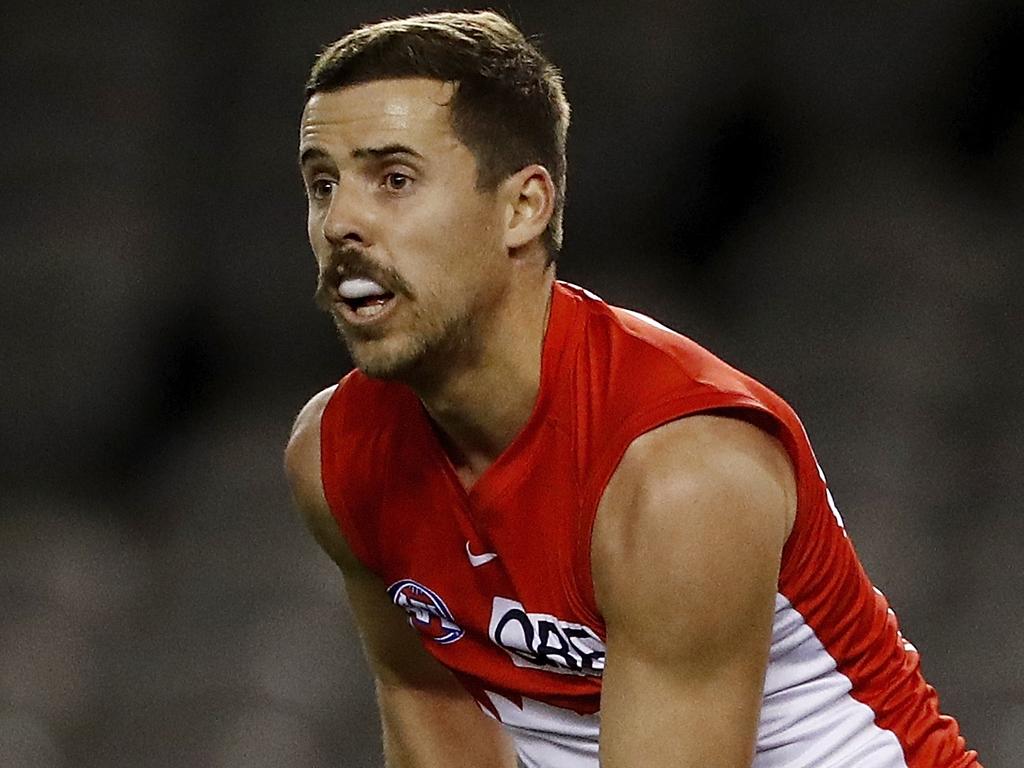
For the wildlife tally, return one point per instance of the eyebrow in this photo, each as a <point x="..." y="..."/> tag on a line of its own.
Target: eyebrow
<point x="361" y="153"/>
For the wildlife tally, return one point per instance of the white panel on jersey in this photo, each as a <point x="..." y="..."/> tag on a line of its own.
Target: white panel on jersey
<point x="547" y="736"/>
<point x="808" y="717"/>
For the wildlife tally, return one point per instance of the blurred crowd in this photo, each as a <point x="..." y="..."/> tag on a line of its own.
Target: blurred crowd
<point x="830" y="197"/>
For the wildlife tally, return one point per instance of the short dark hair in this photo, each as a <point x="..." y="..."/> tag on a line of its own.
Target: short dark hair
<point x="509" y="107"/>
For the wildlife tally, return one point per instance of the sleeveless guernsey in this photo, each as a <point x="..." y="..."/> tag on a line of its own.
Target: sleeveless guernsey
<point x="497" y="580"/>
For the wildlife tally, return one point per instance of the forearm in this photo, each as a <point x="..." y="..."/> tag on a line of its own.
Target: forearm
<point x="427" y="728"/>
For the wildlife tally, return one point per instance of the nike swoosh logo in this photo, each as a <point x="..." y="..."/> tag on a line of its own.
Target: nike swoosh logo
<point x="477" y="560"/>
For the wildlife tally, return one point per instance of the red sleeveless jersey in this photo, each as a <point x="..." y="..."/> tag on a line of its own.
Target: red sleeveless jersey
<point x="497" y="580"/>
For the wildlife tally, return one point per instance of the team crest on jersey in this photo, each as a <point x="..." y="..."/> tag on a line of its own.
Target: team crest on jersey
<point x="427" y="611"/>
<point x="542" y="641"/>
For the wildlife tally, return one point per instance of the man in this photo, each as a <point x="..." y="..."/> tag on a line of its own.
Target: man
<point x="566" y="532"/>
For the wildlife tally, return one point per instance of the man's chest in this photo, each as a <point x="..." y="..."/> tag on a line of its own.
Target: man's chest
<point x="489" y="580"/>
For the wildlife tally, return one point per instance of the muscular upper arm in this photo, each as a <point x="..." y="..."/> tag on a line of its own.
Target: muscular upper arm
<point x="428" y="718"/>
<point x="686" y="554"/>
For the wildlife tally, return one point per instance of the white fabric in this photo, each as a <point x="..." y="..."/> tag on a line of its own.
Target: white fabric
<point x="808" y="717"/>
<point x="549" y="737"/>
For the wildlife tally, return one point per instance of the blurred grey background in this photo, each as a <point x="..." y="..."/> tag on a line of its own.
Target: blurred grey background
<point x="830" y="196"/>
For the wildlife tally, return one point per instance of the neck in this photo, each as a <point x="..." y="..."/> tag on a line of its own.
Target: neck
<point x="481" y="405"/>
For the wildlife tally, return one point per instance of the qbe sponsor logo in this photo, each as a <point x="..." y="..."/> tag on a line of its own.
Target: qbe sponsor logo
<point x="542" y="641"/>
<point x="427" y="611"/>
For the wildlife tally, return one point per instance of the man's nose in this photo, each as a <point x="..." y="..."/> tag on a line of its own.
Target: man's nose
<point x="348" y="218"/>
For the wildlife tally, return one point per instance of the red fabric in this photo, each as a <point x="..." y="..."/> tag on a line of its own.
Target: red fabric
<point x="607" y="377"/>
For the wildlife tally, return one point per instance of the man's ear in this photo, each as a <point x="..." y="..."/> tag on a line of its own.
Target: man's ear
<point x="531" y="202"/>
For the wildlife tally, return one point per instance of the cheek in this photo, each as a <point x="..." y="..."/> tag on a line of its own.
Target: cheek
<point x="448" y="243"/>
<point x="472" y="234"/>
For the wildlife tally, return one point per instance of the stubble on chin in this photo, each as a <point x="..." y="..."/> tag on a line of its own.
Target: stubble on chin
<point x="381" y="356"/>
<point x="388" y="365"/>
<point x="412" y="359"/>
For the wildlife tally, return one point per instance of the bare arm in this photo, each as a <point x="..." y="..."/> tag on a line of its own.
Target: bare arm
<point x="428" y="718"/>
<point x="686" y="554"/>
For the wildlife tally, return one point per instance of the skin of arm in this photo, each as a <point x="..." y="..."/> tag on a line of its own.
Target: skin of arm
<point x="428" y="718"/>
<point x="686" y="553"/>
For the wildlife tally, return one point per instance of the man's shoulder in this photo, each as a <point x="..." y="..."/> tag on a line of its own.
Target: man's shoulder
<point x="705" y="453"/>
<point x="337" y="410"/>
<point x="628" y="341"/>
<point x="348" y="435"/>
<point x="636" y="373"/>
<point x="359" y="403"/>
<point x="310" y="414"/>
<point x="302" y="453"/>
<point x="303" y="468"/>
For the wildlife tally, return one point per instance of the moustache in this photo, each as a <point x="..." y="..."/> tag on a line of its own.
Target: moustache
<point x="346" y="263"/>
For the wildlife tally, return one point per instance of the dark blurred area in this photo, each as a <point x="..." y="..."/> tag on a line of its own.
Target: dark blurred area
<point x="830" y="196"/>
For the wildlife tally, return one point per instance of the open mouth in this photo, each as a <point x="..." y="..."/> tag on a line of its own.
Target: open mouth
<point x="363" y="297"/>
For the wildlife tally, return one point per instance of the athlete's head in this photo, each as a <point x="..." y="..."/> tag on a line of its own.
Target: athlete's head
<point x="433" y="153"/>
<point x="509" y="107"/>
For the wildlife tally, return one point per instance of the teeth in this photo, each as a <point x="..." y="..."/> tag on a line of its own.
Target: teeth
<point x="359" y="288"/>
<point x="369" y="310"/>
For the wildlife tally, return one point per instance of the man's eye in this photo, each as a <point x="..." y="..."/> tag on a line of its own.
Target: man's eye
<point x="396" y="182"/>
<point x="321" y="189"/>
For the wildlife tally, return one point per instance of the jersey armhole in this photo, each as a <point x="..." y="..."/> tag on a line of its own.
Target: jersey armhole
<point x="331" y="478"/>
<point x="597" y="476"/>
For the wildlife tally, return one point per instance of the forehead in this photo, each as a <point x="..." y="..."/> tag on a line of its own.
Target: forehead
<point x="379" y="112"/>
